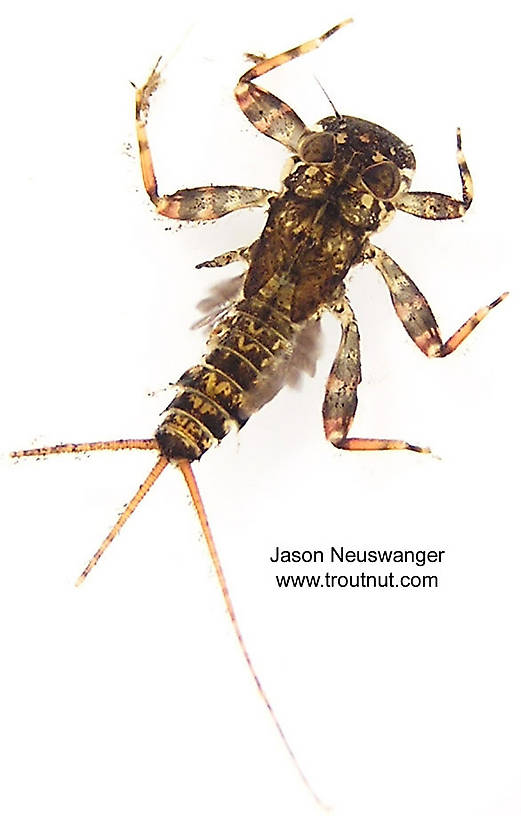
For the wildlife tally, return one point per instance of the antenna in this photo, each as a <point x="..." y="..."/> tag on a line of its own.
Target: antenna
<point x="328" y="97"/>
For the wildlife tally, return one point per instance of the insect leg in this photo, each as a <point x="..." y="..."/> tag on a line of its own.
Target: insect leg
<point x="199" y="203"/>
<point x="269" y="114"/>
<point x="437" y="206"/>
<point x="338" y="409"/>
<point x="415" y="313"/>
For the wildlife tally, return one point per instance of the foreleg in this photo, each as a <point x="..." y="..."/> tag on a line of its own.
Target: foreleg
<point x="437" y="206"/>
<point x="199" y="203"/>
<point x="273" y="117"/>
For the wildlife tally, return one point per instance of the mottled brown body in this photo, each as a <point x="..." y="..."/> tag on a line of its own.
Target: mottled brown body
<point x="316" y="230"/>
<point x="212" y="398"/>
<point x="347" y="178"/>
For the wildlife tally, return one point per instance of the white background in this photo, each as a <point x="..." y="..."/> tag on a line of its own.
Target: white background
<point x="130" y="696"/>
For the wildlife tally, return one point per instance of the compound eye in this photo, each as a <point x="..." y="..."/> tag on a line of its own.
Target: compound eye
<point x="317" y="148"/>
<point x="382" y="179"/>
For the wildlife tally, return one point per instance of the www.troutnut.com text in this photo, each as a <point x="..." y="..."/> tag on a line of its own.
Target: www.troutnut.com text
<point x="360" y="580"/>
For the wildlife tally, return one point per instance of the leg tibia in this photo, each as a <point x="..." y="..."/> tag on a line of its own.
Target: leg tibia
<point x="269" y="114"/>
<point x="437" y="206"/>
<point x="463" y="332"/>
<point x="415" y="313"/>
<point x="200" y="203"/>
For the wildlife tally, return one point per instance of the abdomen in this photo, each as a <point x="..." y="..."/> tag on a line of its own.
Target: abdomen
<point x="244" y="367"/>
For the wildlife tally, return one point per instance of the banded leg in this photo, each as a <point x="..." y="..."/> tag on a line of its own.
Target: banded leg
<point x="269" y="114"/>
<point x="415" y="313"/>
<point x="437" y="206"/>
<point x="338" y="409"/>
<point x="199" y="203"/>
